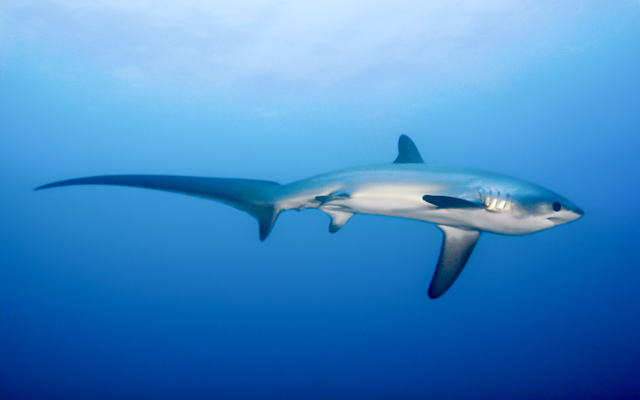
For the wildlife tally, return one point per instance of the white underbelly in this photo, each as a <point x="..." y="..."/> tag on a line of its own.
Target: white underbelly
<point x="468" y="218"/>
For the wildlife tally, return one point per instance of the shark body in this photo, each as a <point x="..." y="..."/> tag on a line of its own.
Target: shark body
<point x="463" y="203"/>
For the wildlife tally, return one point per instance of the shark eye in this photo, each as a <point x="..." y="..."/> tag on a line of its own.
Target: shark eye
<point x="557" y="206"/>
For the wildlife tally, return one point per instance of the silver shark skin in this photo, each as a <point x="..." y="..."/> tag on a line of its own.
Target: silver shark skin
<point x="505" y="205"/>
<point x="463" y="203"/>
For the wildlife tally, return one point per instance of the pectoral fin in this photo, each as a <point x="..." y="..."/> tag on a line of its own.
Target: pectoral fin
<point x="451" y="202"/>
<point x="457" y="246"/>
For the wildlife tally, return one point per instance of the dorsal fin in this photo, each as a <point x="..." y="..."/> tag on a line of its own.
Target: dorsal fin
<point x="407" y="151"/>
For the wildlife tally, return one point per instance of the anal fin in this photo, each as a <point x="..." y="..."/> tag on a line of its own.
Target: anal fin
<point x="457" y="246"/>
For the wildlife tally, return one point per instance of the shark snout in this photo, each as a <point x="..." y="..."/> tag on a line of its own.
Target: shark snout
<point x="567" y="215"/>
<point x="574" y="212"/>
<point x="570" y="212"/>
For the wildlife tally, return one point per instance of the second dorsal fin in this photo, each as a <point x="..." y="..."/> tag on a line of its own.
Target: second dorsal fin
<point x="407" y="151"/>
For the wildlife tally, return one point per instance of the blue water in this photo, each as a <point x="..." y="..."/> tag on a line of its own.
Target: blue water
<point x="112" y="292"/>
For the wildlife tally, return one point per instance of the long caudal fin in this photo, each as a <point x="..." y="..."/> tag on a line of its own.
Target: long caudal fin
<point x="258" y="198"/>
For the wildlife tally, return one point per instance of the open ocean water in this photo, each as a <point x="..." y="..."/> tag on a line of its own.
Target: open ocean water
<point x="109" y="292"/>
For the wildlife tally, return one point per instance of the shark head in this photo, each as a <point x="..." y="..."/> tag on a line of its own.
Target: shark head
<point x="546" y="209"/>
<point x="517" y="207"/>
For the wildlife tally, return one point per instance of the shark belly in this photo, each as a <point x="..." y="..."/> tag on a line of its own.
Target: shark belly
<point x="407" y="206"/>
